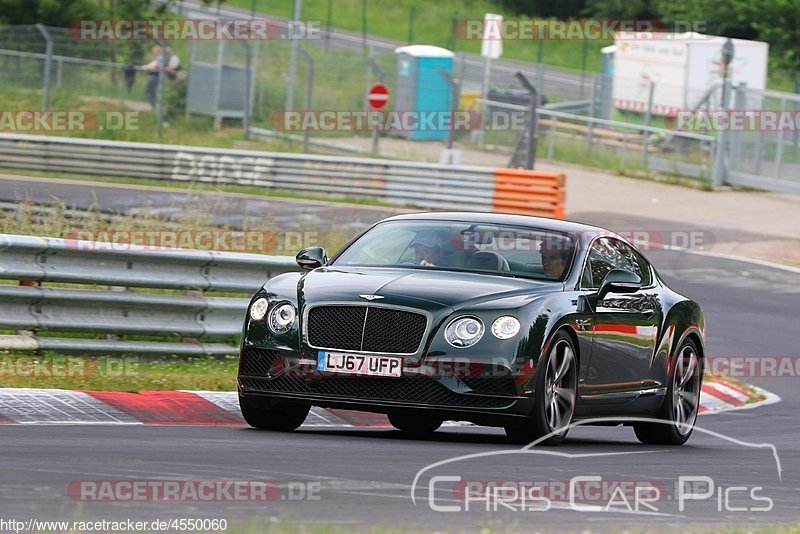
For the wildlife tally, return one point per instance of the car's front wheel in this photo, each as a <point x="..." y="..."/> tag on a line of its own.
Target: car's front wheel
<point x="283" y="417"/>
<point x="556" y="394"/>
<point x="415" y="425"/>
<point x="681" y="404"/>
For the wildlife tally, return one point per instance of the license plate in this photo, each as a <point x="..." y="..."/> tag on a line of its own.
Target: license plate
<point x="359" y="364"/>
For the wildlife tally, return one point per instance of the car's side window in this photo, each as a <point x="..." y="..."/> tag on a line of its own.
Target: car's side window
<point x="603" y="257"/>
<point x="636" y="262"/>
<point x="586" y="276"/>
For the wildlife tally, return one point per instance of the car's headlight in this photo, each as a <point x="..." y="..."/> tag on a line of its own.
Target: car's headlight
<point x="281" y="318"/>
<point x="464" y="331"/>
<point x="505" y="327"/>
<point x="258" y="309"/>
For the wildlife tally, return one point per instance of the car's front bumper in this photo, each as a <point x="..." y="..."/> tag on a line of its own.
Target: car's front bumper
<point x="260" y="377"/>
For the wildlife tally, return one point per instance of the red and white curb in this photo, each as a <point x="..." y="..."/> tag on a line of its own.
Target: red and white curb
<point x="58" y="406"/>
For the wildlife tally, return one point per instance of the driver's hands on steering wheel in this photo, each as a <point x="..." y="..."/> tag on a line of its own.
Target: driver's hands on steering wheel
<point x="426" y="263"/>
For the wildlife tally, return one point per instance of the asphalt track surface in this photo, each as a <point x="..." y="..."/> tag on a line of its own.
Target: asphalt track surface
<point x="231" y="210"/>
<point x="363" y="477"/>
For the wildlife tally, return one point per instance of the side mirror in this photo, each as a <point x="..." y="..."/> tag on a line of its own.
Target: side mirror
<point x="619" y="281"/>
<point x="311" y="258"/>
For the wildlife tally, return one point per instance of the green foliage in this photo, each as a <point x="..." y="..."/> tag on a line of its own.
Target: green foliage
<point x="561" y="9"/>
<point x="621" y="9"/>
<point x="61" y="12"/>
<point x="47" y="12"/>
<point x="175" y="98"/>
<point x="774" y="21"/>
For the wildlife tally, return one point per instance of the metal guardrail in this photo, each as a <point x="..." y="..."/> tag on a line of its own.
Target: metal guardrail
<point x="117" y="311"/>
<point x="421" y="185"/>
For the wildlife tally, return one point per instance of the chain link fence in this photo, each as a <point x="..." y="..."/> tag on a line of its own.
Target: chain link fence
<point x="48" y="60"/>
<point x="577" y="120"/>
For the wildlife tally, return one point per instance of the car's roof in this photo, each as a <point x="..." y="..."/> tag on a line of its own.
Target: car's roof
<point x="542" y="223"/>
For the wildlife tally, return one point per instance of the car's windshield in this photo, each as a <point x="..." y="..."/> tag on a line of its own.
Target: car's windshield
<point x="487" y="248"/>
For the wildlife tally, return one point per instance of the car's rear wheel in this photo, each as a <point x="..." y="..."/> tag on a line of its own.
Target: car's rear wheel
<point x="282" y="417"/>
<point x="414" y="424"/>
<point x="556" y="394"/>
<point x="681" y="404"/>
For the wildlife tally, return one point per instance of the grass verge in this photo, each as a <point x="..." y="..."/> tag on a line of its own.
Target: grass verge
<point x="116" y="373"/>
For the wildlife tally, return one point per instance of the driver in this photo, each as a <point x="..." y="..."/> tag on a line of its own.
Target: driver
<point x="428" y="248"/>
<point x="555" y="255"/>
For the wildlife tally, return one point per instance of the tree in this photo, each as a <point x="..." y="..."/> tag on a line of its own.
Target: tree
<point x="48" y="12"/>
<point x="775" y="21"/>
<point x="622" y="9"/>
<point x="560" y="9"/>
<point x="60" y="13"/>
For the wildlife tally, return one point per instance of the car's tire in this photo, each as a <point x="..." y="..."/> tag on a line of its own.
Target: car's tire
<point x="681" y="403"/>
<point x="282" y="418"/>
<point x="416" y="425"/>
<point x="556" y="392"/>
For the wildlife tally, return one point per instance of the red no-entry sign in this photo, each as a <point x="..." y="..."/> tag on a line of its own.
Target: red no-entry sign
<point x="378" y="96"/>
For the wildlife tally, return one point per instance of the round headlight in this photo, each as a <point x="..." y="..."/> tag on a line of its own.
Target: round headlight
<point x="464" y="331"/>
<point x="258" y="309"/>
<point x="281" y="318"/>
<point x="505" y="327"/>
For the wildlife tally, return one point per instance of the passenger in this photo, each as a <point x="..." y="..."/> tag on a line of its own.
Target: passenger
<point x="429" y="248"/>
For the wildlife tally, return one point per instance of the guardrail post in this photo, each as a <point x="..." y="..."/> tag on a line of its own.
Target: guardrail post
<point x="160" y="90"/>
<point x="533" y="120"/>
<point x="295" y="45"/>
<point x="776" y="169"/>
<point x="248" y="81"/>
<point x="372" y="69"/>
<point x="309" y="89"/>
<point x="624" y="159"/>
<point x="551" y="138"/>
<point x="48" y="63"/>
<point x="218" y="84"/>
<point x="720" y="172"/>
<point x="648" y="120"/>
<point x="454" y="93"/>
<point x="739" y="103"/>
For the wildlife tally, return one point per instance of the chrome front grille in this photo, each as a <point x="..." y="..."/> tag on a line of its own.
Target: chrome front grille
<point x="365" y="329"/>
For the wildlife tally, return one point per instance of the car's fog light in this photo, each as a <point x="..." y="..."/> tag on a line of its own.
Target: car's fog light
<point x="258" y="309"/>
<point x="281" y="318"/>
<point x="505" y="327"/>
<point x="464" y="331"/>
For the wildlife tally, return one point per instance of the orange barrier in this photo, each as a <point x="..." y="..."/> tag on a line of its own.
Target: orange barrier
<point x="524" y="192"/>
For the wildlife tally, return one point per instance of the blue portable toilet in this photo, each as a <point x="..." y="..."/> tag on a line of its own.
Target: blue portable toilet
<point x="420" y="87"/>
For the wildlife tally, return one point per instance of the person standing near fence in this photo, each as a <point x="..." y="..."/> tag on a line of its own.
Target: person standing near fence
<point x="153" y="68"/>
<point x="173" y="64"/>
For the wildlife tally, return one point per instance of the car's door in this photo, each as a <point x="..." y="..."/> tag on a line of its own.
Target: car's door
<point x="624" y="326"/>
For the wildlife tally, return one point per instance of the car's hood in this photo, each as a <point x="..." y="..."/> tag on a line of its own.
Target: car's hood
<point x="414" y="287"/>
